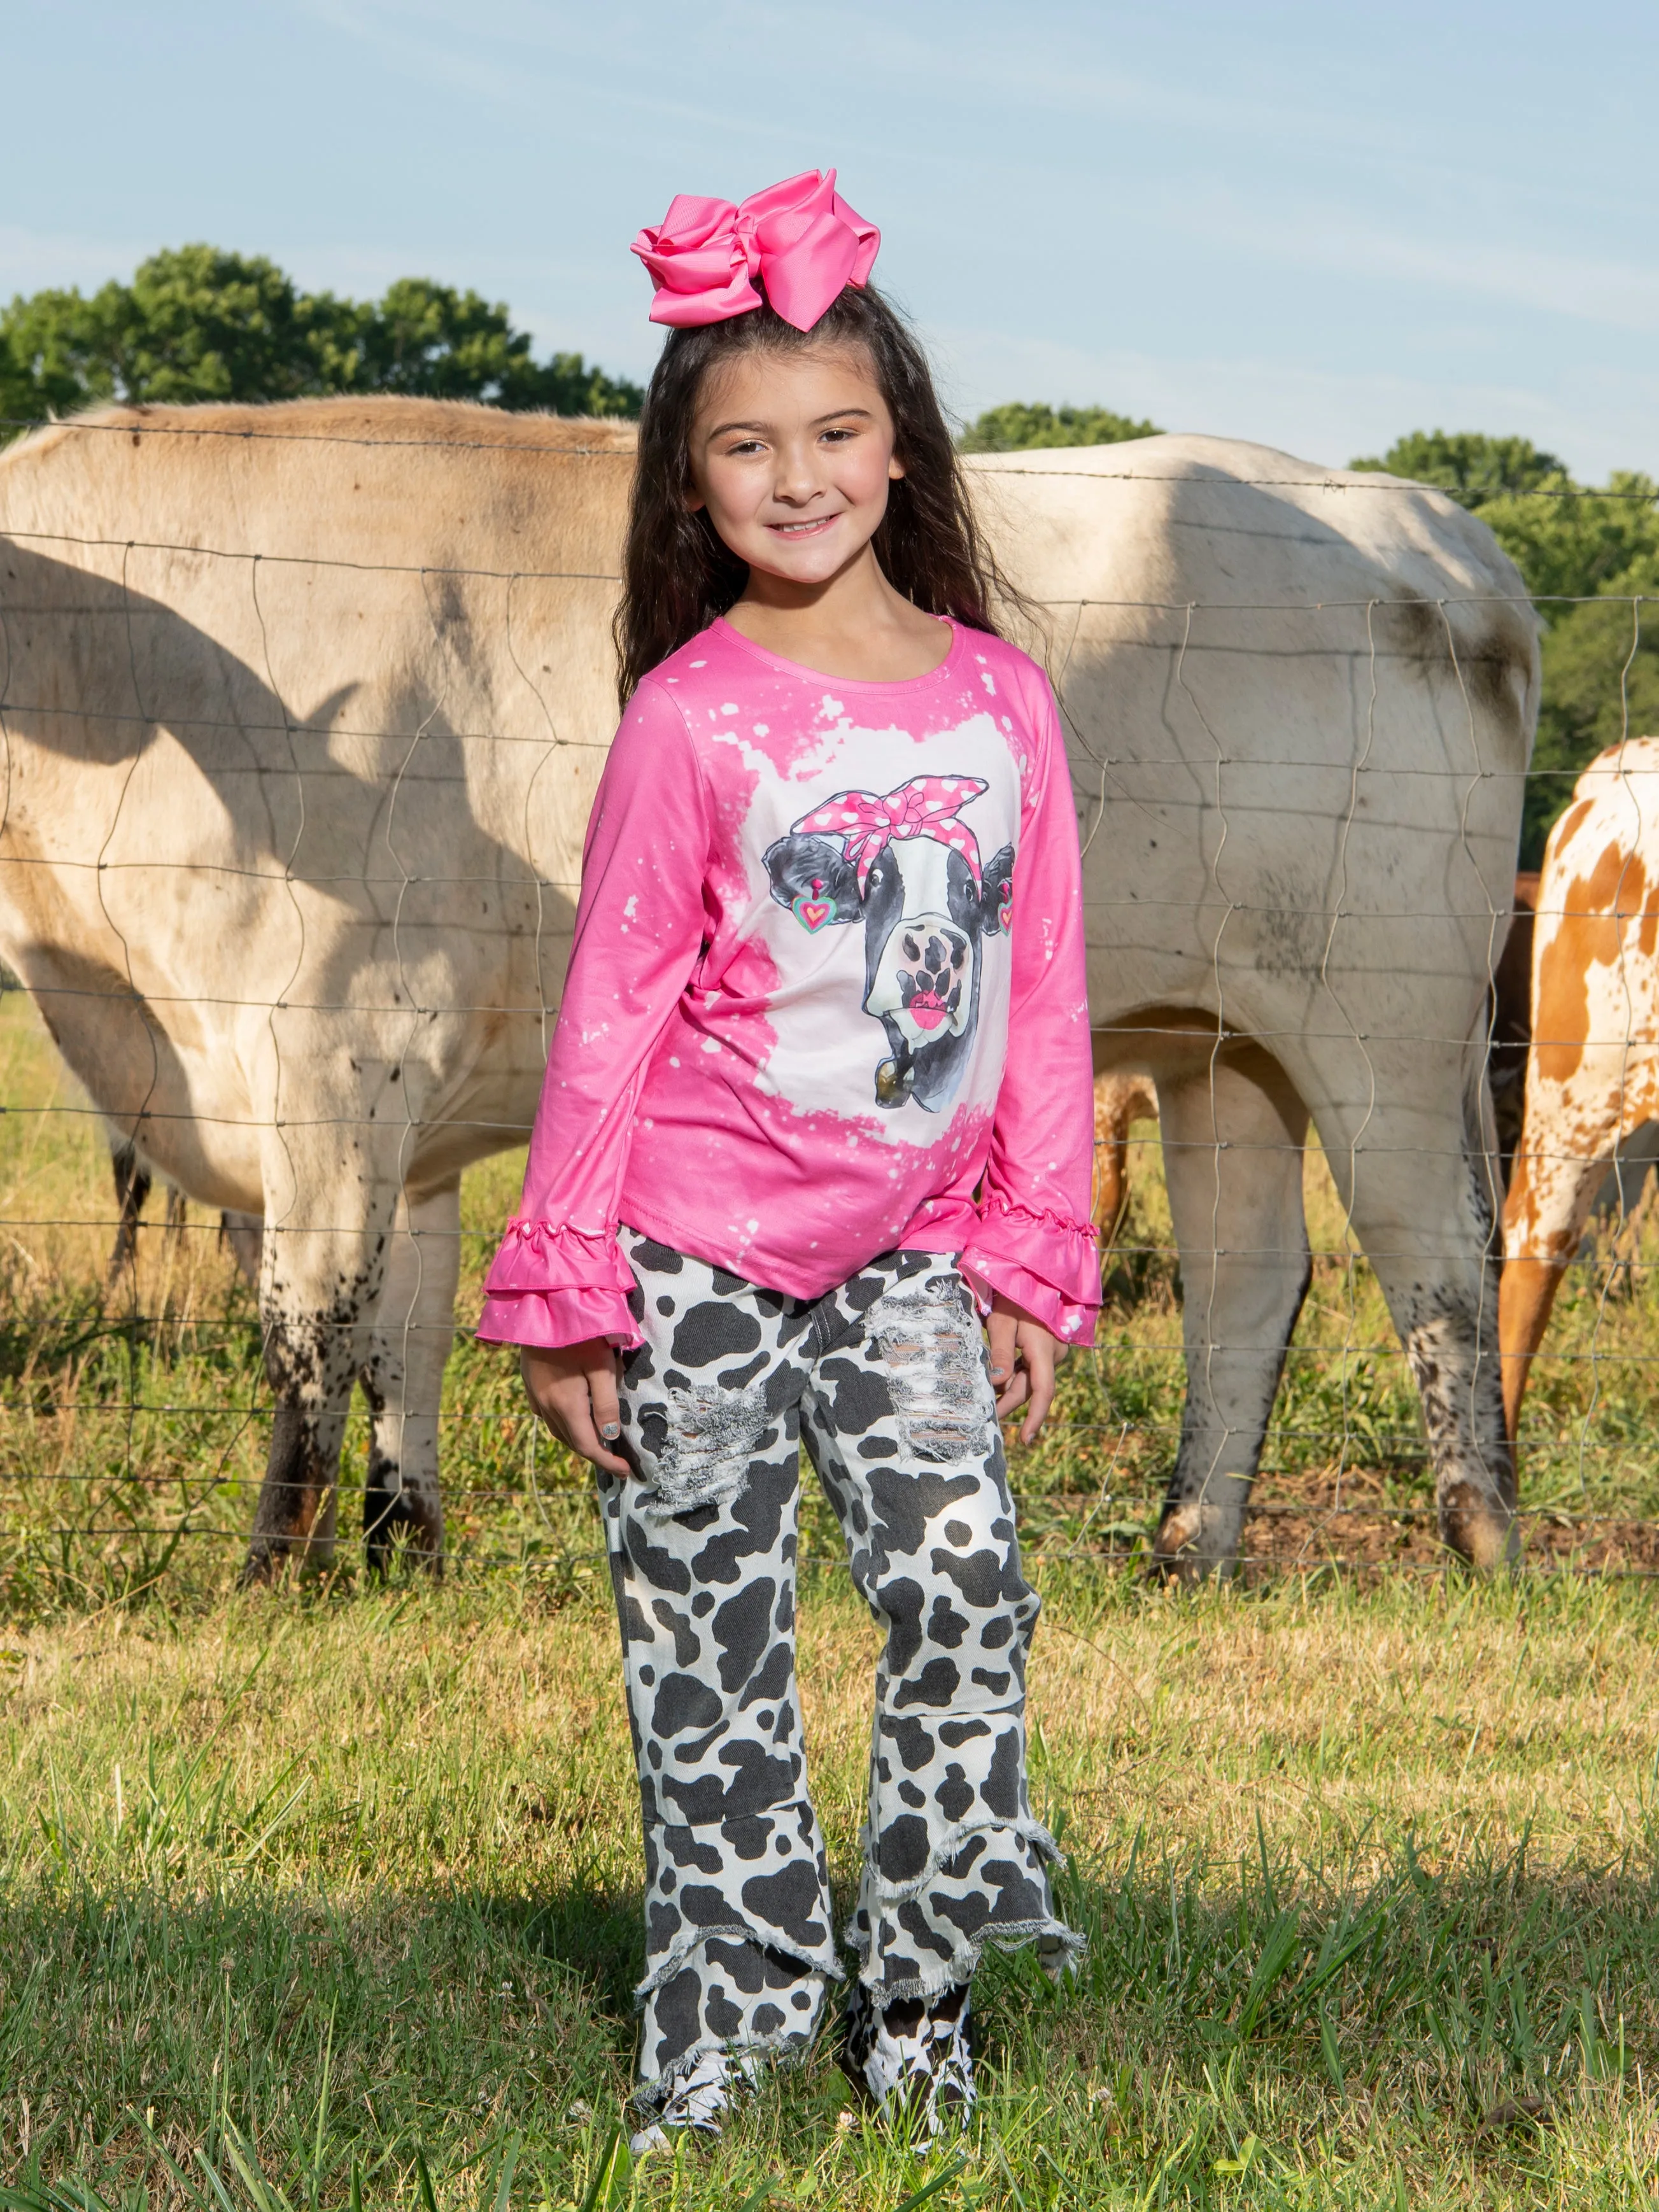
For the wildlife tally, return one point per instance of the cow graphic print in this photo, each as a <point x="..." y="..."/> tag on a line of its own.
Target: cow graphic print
<point x="901" y="864"/>
<point x="885" y="1380"/>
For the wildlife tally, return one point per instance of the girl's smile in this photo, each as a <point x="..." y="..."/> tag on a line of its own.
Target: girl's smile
<point x="792" y="457"/>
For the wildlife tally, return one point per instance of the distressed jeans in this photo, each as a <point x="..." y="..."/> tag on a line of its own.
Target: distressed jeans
<point x="885" y="1380"/>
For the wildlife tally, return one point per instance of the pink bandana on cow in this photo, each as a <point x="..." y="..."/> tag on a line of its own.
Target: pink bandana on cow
<point x="927" y="806"/>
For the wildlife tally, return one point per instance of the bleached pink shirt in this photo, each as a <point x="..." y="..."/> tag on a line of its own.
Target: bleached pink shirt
<point x="813" y="913"/>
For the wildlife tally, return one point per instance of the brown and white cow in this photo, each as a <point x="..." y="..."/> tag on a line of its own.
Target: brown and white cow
<point x="1592" y="1079"/>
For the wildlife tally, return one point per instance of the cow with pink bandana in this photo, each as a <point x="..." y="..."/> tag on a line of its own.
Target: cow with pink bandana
<point x="904" y="866"/>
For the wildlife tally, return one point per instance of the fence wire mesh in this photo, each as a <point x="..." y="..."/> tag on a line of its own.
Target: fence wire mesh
<point x="178" y="774"/>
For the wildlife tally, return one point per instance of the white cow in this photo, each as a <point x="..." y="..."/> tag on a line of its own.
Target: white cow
<point x="303" y="708"/>
<point x="1300" y="706"/>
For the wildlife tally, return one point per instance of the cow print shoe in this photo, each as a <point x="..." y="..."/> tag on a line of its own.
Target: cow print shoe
<point x="912" y="2059"/>
<point x="697" y="2101"/>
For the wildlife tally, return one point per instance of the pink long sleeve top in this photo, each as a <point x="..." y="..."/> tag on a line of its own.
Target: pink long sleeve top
<point x="826" y="997"/>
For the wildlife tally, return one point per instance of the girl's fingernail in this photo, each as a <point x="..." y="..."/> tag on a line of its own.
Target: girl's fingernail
<point x="610" y="1431"/>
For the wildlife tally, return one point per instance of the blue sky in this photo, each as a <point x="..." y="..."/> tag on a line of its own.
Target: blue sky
<point x="1316" y="226"/>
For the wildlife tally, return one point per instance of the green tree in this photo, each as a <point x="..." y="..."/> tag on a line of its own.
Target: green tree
<point x="1021" y="427"/>
<point x="1600" y="685"/>
<point x="1473" y="467"/>
<point x="1570" y="543"/>
<point x="48" y="352"/>
<point x="1588" y="558"/>
<point x="427" y="338"/>
<point x="197" y="323"/>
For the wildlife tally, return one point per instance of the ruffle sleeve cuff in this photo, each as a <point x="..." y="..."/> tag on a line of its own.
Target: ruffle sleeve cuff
<point x="550" y="1286"/>
<point x="1043" y="1262"/>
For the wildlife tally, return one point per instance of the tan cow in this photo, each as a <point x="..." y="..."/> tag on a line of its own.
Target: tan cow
<point x="1120" y="1101"/>
<point x="1593" y="1075"/>
<point x="302" y="711"/>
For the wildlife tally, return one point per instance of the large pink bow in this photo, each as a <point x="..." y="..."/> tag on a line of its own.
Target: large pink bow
<point x="799" y="238"/>
<point x="925" y="807"/>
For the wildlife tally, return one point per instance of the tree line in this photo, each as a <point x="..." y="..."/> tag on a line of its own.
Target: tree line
<point x="197" y="323"/>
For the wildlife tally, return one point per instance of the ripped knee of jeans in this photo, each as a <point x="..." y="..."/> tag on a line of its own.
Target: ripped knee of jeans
<point x="929" y="1341"/>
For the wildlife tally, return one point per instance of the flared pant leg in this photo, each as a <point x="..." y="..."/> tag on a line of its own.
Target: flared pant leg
<point x="901" y="1424"/>
<point x="885" y="1378"/>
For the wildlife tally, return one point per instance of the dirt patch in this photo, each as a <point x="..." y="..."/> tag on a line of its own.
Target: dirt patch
<point x="1359" y="1524"/>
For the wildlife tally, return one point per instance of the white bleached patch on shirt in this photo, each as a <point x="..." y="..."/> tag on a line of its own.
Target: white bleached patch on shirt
<point x="988" y="681"/>
<point x="632" y="906"/>
<point x="762" y="730"/>
<point x="832" y="709"/>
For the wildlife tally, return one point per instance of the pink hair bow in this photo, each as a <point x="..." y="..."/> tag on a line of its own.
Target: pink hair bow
<point x="799" y="238"/>
<point x="927" y="806"/>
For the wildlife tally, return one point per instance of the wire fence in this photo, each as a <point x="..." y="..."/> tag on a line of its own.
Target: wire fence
<point x="289" y="846"/>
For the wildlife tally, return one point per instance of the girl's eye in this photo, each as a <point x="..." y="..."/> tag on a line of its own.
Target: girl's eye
<point x="837" y="435"/>
<point x="745" y="445"/>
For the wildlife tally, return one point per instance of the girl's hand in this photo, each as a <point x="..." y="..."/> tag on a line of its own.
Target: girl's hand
<point x="1023" y="1356"/>
<point x="574" y="1391"/>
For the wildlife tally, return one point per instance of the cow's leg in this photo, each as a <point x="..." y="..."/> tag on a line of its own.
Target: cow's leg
<point x="1233" y="1137"/>
<point x="243" y="1235"/>
<point x="178" y="1220"/>
<point x="318" y="1288"/>
<point x="1417" y="1181"/>
<point x="1557" y="1172"/>
<point x="1117" y="1099"/>
<point x="402" y="1378"/>
<point x="132" y="1186"/>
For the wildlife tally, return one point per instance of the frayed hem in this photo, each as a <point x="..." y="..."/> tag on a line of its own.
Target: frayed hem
<point x="733" y="1932"/>
<point x="778" y="2049"/>
<point x="1068" y="1949"/>
<point x="1025" y="1832"/>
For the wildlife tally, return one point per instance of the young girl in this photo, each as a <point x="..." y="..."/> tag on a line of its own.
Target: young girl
<point x="819" y="1089"/>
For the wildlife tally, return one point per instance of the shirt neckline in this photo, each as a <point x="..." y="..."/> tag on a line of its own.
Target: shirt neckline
<point x="946" y="668"/>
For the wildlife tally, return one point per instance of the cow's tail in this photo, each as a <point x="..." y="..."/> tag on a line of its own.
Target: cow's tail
<point x="1480" y="1141"/>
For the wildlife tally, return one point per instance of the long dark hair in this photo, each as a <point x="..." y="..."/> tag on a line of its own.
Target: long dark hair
<point x="677" y="575"/>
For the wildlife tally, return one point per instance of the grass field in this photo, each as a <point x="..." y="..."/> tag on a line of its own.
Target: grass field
<point x="327" y="1896"/>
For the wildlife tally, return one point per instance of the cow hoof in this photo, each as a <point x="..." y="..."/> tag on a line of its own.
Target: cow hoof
<point x="270" y="1558"/>
<point x="1485" y="1537"/>
<point x="1192" y="1542"/>
<point x="391" y="1525"/>
<point x="263" y="1566"/>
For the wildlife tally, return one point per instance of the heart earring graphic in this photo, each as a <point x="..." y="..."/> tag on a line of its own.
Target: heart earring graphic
<point x="812" y="910"/>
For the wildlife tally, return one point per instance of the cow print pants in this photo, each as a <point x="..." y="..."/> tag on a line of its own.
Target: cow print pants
<point x="885" y="1380"/>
